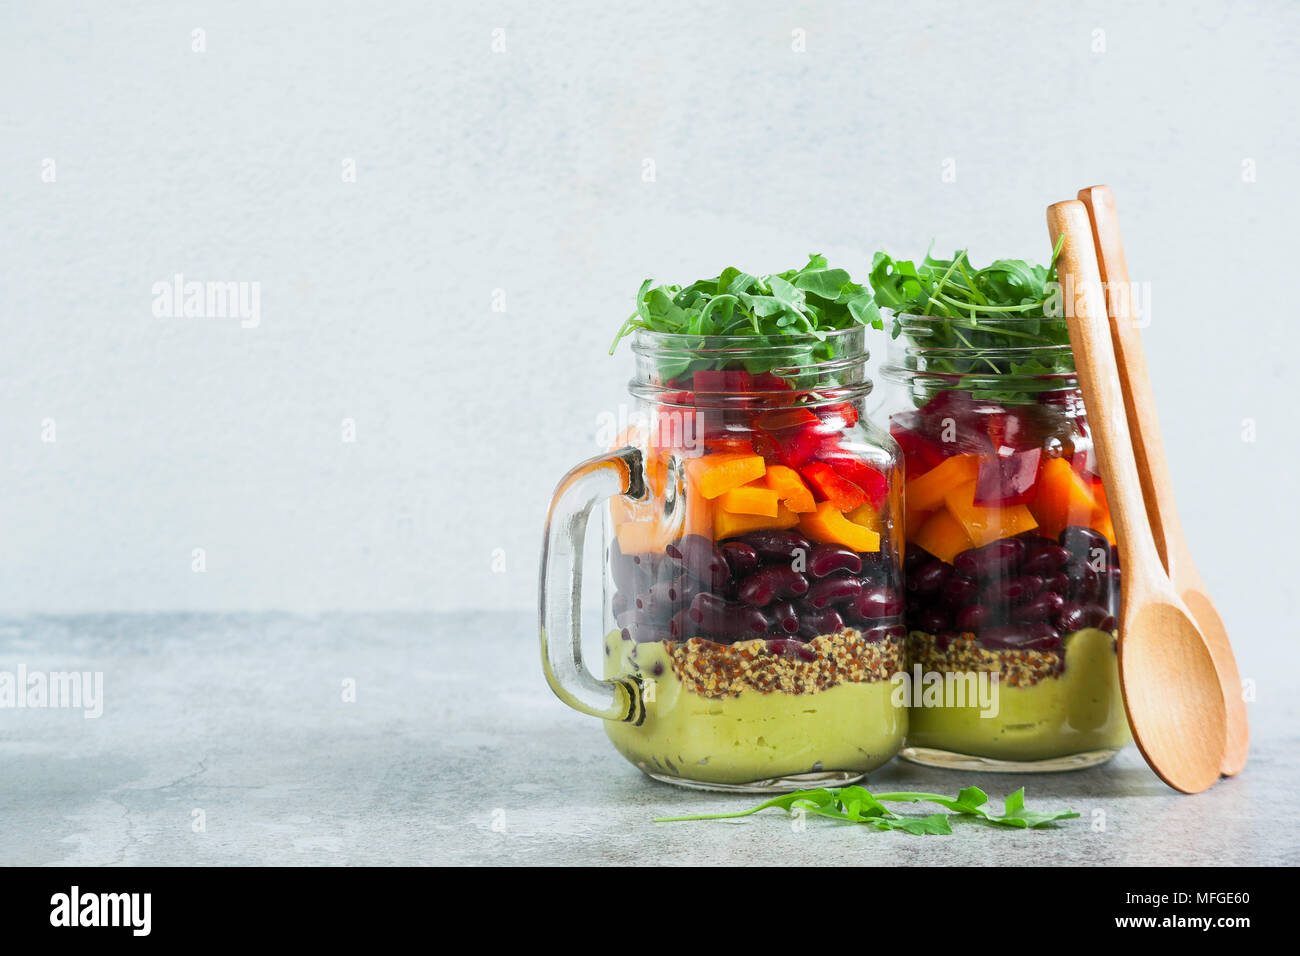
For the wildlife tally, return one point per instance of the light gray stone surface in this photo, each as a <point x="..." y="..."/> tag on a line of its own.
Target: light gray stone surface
<point x="456" y="752"/>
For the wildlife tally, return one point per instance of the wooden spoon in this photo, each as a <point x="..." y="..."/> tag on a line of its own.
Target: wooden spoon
<point x="1153" y="469"/>
<point x="1170" y="686"/>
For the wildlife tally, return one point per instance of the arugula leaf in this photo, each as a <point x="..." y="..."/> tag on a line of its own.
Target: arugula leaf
<point x="1010" y="304"/>
<point x="857" y="805"/>
<point x="811" y="301"/>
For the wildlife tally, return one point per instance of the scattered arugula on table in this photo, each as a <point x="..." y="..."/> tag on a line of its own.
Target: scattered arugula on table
<point x="857" y="805"/>
<point x="1009" y="304"/>
<point x="811" y="302"/>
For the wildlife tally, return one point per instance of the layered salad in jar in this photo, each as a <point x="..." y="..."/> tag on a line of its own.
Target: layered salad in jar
<point x="756" y="589"/>
<point x="1011" y="567"/>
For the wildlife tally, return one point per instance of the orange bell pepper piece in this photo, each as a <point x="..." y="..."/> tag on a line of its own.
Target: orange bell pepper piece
<point x="942" y="535"/>
<point x="829" y="526"/>
<point x="790" y="488"/>
<point x="749" y="500"/>
<point x="1064" y="497"/>
<point x="727" y="524"/>
<point x="927" y="492"/>
<point x="985" y="525"/>
<point x="717" y="474"/>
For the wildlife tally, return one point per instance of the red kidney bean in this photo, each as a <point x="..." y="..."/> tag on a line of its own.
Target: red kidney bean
<point x="991" y="560"/>
<point x="1084" y="543"/>
<point x="833" y="591"/>
<point x="1076" y="615"/>
<point x="915" y="557"/>
<point x="702" y="559"/>
<point x="1028" y="636"/>
<point x="679" y="590"/>
<point x="960" y="591"/>
<point x="1058" y="583"/>
<point x="777" y="545"/>
<point x="895" y="633"/>
<point x="972" y="618"/>
<point x="741" y="557"/>
<point x="1041" y="608"/>
<point x="1015" y="590"/>
<point x="707" y="610"/>
<point x="876" y="601"/>
<point x="1085" y="583"/>
<point x="929" y="578"/>
<point x="791" y="648"/>
<point x="650" y="607"/>
<point x="932" y="620"/>
<point x="622" y="570"/>
<point x="619" y="603"/>
<point x="743" y="623"/>
<point x="772" y="583"/>
<point x="814" y="622"/>
<point x="784" y="617"/>
<point x="1045" y="559"/>
<point x="681" y="627"/>
<point x="826" y="558"/>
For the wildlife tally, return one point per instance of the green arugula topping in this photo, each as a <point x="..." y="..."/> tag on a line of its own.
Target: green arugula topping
<point x="811" y="301"/>
<point x="857" y="805"/>
<point x="1011" y="304"/>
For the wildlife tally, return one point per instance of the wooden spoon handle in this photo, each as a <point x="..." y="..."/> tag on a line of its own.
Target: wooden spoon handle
<point x="1139" y="399"/>
<point x="1094" y="360"/>
<point x="1153" y="468"/>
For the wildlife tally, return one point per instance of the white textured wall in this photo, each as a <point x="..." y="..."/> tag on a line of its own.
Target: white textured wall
<point x="522" y="170"/>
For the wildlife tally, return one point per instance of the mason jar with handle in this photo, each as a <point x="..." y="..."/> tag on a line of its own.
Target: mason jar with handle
<point x="753" y="633"/>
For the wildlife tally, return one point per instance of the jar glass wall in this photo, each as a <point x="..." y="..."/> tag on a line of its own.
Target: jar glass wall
<point x="1012" y="573"/>
<point x="755" y="590"/>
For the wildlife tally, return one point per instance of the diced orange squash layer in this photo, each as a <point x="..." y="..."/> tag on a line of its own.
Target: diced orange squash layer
<point x="1063" y="498"/>
<point x="717" y="474"/>
<point x="928" y="491"/>
<point x="642" y="537"/>
<point x="790" y="488"/>
<point x="728" y="525"/>
<point x="985" y="525"/>
<point x="749" y="500"/>
<point x="942" y="535"/>
<point x="830" y="526"/>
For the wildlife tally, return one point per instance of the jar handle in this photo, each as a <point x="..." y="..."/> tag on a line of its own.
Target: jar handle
<point x="560" y="599"/>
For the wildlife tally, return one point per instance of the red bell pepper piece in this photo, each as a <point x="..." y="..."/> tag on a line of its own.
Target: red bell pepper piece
<point x="790" y="436"/>
<point x="723" y="380"/>
<point x="831" y="486"/>
<point x="873" y="484"/>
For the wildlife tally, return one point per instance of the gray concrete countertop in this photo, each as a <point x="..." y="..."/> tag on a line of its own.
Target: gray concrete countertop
<point x="227" y="740"/>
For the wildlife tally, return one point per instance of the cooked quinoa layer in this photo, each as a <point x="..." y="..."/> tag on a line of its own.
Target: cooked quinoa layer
<point x="721" y="670"/>
<point x="962" y="654"/>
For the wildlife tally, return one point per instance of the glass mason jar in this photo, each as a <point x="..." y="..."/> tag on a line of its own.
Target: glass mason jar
<point x="753" y="576"/>
<point x="1012" y="572"/>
